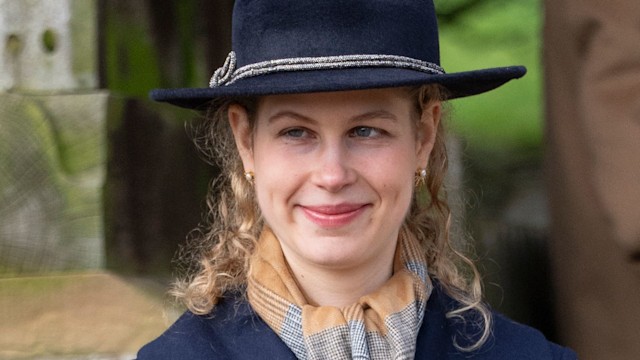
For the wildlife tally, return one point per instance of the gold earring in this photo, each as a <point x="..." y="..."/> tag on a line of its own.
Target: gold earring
<point x="249" y="176"/>
<point x="420" y="178"/>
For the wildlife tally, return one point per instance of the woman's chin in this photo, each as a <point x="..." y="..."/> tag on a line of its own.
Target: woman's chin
<point x="334" y="252"/>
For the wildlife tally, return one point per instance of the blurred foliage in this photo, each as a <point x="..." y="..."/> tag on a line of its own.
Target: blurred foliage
<point x="131" y="57"/>
<point x="479" y="34"/>
<point x="172" y="44"/>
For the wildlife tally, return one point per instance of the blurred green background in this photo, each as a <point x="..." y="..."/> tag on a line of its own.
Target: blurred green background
<point x="487" y="34"/>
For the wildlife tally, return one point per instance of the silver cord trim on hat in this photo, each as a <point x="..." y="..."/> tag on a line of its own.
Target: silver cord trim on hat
<point x="228" y="74"/>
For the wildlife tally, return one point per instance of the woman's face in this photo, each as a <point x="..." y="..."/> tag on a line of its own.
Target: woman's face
<point x="334" y="172"/>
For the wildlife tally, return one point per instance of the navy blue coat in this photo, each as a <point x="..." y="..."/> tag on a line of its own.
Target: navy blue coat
<point x="236" y="332"/>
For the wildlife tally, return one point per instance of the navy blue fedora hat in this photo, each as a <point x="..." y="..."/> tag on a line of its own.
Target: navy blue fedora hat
<point x="302" y="46"/>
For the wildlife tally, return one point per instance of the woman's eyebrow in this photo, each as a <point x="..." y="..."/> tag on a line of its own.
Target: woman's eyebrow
<point x="377" y="114"/>
<point x="290" y="114"/>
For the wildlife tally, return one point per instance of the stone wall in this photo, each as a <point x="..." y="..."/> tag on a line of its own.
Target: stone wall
<point x="52" y="138"/>
<point x="52" y="156"/>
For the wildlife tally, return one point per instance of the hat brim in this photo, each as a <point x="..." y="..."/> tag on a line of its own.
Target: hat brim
<point x="459" y="84"/>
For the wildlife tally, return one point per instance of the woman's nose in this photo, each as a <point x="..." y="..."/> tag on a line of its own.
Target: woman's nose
<point x="334" y="171"/>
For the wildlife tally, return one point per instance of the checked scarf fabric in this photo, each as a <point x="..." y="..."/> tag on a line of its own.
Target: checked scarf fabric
<point x="381" y="325"/>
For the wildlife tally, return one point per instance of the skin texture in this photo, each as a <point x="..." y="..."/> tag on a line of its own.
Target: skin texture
<point x="334" y="179"/>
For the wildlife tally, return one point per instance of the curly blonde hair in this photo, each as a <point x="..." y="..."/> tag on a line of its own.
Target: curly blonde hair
<point x="217" y="253"/>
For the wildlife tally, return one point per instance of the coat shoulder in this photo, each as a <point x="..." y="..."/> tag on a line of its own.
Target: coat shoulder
<point x="231" y="331"/>
<point x="510" y="339"/>
<point x="507" y="340"/>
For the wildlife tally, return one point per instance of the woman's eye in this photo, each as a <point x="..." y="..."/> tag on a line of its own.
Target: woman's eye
<point x="295" y="133"/>
<point x="364" y="131"/>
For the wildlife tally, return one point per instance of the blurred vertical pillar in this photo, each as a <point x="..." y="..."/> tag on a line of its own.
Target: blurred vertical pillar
<point x="592" y="61"/>
<point x="155" y="180"/>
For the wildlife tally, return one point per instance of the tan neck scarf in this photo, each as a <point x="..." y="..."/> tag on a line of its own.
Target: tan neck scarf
<point x="381" y="325"/>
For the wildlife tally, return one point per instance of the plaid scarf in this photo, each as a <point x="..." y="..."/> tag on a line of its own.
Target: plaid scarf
<point x="381" y="325"/>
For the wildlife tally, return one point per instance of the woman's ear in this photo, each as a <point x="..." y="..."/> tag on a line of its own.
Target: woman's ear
<point x="427" y="131"/>
<point x="242" y="133"/>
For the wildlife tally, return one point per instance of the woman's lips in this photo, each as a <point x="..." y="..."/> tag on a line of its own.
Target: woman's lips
<point x="332" y="216"/>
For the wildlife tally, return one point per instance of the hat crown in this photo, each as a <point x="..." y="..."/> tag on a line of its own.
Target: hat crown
<point x="307" y="46"/>
<point x="265" y="30"/>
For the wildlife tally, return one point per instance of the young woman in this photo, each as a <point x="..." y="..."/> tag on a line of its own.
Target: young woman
<point x="329" y="229"/>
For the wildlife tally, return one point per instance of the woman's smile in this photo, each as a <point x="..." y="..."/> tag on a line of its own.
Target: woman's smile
<point x="334" y="216"/>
